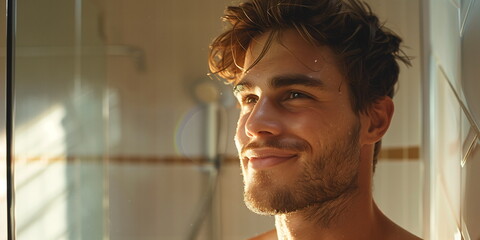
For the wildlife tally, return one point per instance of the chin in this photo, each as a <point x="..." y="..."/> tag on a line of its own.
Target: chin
<point x="265" y="196"/>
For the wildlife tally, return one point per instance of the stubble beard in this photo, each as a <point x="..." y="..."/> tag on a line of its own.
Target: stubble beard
<point x="322" y="189"/>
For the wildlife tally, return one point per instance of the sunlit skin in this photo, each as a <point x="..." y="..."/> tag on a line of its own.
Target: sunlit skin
<point x="297" y="97"/>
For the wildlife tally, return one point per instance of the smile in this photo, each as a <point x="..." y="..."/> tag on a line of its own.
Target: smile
<point x="266" y="158"/>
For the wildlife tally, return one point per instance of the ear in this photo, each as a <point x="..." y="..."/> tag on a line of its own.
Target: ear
<point x="376" y="120"/>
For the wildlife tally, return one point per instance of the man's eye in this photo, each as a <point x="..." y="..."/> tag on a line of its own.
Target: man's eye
<point x="293" y="95"/>
<point x="249" y="99"/>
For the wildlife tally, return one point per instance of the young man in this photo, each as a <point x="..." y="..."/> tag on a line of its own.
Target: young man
<point x="314" y="81"/>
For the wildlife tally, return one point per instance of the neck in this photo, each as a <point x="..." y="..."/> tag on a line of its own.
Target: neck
<point x="337" y="219"/>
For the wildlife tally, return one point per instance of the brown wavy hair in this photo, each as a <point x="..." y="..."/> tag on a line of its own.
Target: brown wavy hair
<point x="367" y="51"/>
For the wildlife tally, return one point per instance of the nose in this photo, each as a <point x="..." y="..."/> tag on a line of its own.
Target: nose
<point x="264" y="119"/>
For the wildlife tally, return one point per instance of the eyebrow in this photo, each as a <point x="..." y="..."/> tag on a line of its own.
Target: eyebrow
<point x="282" y="81"/>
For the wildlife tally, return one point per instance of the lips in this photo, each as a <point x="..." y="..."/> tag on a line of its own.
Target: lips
<point x="266" y="158"/>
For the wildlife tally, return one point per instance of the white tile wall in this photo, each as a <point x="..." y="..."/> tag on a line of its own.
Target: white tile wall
<point x="453" y="122"/>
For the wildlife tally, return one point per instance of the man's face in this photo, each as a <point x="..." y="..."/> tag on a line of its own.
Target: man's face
<point x="297" y="136"/>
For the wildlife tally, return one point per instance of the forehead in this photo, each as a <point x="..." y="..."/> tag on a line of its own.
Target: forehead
<point x="289" y="53"/>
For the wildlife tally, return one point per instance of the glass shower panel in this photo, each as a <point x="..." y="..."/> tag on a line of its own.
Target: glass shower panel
<point x="119" y="132"/>
<point x="470" y="196"/>
<point x="3" y="140"/>
<point x="446" y="180"/>
<point x="471" y="120"/>
<point x="60" y="127"/>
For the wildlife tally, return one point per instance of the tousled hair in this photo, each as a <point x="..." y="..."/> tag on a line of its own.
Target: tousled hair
<point x="367" y="51"/>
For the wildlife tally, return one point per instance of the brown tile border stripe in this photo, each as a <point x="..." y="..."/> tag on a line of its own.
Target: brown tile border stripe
<point x="387" y="154"/>
<point x="400" y="154"/>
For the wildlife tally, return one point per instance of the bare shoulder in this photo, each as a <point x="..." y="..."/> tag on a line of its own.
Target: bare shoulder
<point x="402" y="234"/>
<point x="394" y="232"/>
<point x="270" y="235"/>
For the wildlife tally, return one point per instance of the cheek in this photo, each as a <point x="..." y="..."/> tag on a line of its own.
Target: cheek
<point x="240" y="133"/>
<point x="320" y="128"/>
<point x="312" y="125"/>
<point x="240" y="140"/>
